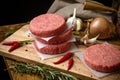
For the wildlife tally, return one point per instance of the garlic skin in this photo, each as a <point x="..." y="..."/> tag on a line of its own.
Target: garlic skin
<point x="70" y="20"/>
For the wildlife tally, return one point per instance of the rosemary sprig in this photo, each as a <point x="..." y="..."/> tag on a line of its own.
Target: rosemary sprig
<point x="43" y="71"/>
<point x="9" y="32"/>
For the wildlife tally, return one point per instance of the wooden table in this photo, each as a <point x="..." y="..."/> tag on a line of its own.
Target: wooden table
<point x="79" y="69"/>
<point x="8" y="61"/>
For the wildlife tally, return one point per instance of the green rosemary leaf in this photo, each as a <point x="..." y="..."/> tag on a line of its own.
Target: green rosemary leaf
<point x="68" y="75"/>
<point x="43" y="71"/>
<point x="28" y="71"/>
<point x="9" y="32"/>
<point x="42" y="75"/>
<point x="34" y="71"/>
<point x="66" y="78"/>
<point x="59" y="78"/>
<point x="52" y="74"/>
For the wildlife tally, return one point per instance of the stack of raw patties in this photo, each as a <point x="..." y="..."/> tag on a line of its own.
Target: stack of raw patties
<point x="51" y="33"/>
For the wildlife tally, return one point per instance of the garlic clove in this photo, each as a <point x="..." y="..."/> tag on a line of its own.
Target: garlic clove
<point x="91" y="41"/>
<point x="78" y="24"/>
<point x="84" y="38"/>
<point x="74" y="25"/>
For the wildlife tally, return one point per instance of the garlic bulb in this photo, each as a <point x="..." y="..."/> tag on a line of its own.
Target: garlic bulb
<point x="75" y="23"/>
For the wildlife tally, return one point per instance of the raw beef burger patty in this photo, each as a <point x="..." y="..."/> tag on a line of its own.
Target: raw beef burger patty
<point x="102" y="57"/>
<point x="47" y="25"/>
<point x="57" y="39"/>
<point x="53" y="49"/>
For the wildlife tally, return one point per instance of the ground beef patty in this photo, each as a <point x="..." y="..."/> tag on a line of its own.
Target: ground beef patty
<point x="53" y="49"/>
<point x="58" y="39"/>
<point x="102" y="57"/>
<point x="47" y="25"/>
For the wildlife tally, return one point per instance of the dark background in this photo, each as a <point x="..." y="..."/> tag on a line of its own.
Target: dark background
<point x="19" y="11"/>
<point x="16" y="11"/>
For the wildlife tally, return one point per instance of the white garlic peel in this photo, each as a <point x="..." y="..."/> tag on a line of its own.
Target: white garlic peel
<point x="71" y="19"/>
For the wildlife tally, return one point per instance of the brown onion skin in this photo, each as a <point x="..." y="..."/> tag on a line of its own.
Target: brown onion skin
<point x="100" y="26"/>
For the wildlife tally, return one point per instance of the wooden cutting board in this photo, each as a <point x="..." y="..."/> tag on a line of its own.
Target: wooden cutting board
<point x="27" y="53"/>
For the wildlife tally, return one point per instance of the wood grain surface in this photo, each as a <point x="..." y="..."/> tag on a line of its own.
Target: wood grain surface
<point x="17" y="76"/>
<point x="8" y="61"/>
<point x="28" y="54"/>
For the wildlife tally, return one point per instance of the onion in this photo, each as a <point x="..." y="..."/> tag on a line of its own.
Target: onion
<point x="101" y="26"/>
